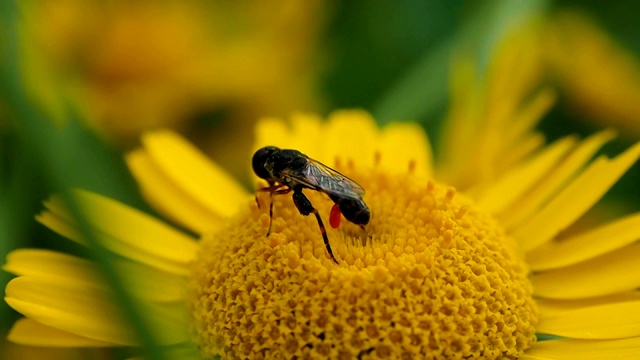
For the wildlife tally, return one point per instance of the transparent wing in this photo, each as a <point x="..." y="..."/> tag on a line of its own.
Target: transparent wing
<point x="320" y="177"/>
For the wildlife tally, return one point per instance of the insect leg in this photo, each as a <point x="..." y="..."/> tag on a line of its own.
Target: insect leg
<point x="275" y="190"/>
<point x="304" y="206"/>
<point x="271" y="188"/>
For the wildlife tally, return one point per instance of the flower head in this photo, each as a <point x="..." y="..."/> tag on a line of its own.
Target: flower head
<point x="433" y="274"/>
<point x="453" y="264"/>
<point x="135" y="66"/>
<point x="430" y="274"/>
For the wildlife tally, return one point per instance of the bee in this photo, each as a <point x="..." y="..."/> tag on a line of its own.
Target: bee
<point x="287" y="170"/>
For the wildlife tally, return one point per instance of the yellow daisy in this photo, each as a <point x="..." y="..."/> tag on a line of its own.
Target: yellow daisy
<point x="453" y="264"/>
<point x="135" y="66"/>
<point x="435" y="274"/>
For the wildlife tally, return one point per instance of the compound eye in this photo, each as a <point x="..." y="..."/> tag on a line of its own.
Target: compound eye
<point x="259" y="160"/>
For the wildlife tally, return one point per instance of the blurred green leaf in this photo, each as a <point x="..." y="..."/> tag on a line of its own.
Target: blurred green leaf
<point x="20" y="193"/>
<point x="424" y="87"/>
<point x="371" y="44"/>
<point x="68" y="157"/>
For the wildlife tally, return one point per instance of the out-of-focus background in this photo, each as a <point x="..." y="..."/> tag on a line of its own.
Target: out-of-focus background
<point x="80" y="80"/>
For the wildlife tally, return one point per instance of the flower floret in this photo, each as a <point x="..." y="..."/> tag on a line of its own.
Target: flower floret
<point x="432" y="276"/>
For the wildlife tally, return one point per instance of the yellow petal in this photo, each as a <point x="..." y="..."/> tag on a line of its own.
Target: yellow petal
<point x="199" y="177"/>
<point x="169" y="323"/>
<point x="514" y="69"/>
<point x="622" y="349"/>
<point x="458" y="134"/>
<point x="39" y="262"/>
<point x="512" y="185"/>
<point x="515" y="155"/>
<point x="300" y="134"/>
<point x="610" y="321"/>
<point x="150" y="283"/>
<point x="341" y="131"/>
<point x="529" y="115"/>
<point x="403" y="144"/>
<point x="168" y="198"/>
<point x="519" y="138"/>
<point x="129" y="226"/>
<point x="530" y="357"/>
<point x="575" y="199"/>
<point x="89" y="311"/>
<point x="30" y="332"/>
<point x="399" y="146"/>
<point x="68" y="230"/>
<point x="303" y="136"/>
<point x="614" y="272"/>
<point x="587" y="245"/>
<point x="274" y="132"/>
<point x="550" y="185"/>
<point x="71" y="307"/>
<point x="553" y="307"/>
<point x="574" y="45"/>
<point x="145" y="282"/>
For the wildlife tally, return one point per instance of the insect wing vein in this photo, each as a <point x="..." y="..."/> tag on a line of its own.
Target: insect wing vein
<point x="320" y="177"/>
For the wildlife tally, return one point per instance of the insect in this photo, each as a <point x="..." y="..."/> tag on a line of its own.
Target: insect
<point x="287" y="170"/>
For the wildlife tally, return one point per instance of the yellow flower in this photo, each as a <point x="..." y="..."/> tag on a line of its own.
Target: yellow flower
<point x="568" y="48"/>
<point x="467" y="260"/>
<point x="435" y="273"/>
<point x="66" y="301"/>
<point x="431" y="274"/>
<point x="575" y="49"/>
<point x="134" y="66"/>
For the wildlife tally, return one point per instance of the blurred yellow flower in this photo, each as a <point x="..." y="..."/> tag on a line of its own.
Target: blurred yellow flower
<point x="489" y="127"/>
<point x="454" y="263"/>
<point x="599" y="77"/>
<point x="134" y="66"/>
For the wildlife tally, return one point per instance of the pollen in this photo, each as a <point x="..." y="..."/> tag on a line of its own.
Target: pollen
<point x="431" y="276"/>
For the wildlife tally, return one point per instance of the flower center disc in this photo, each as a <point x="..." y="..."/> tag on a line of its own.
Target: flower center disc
<point x="431" y="276"/>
